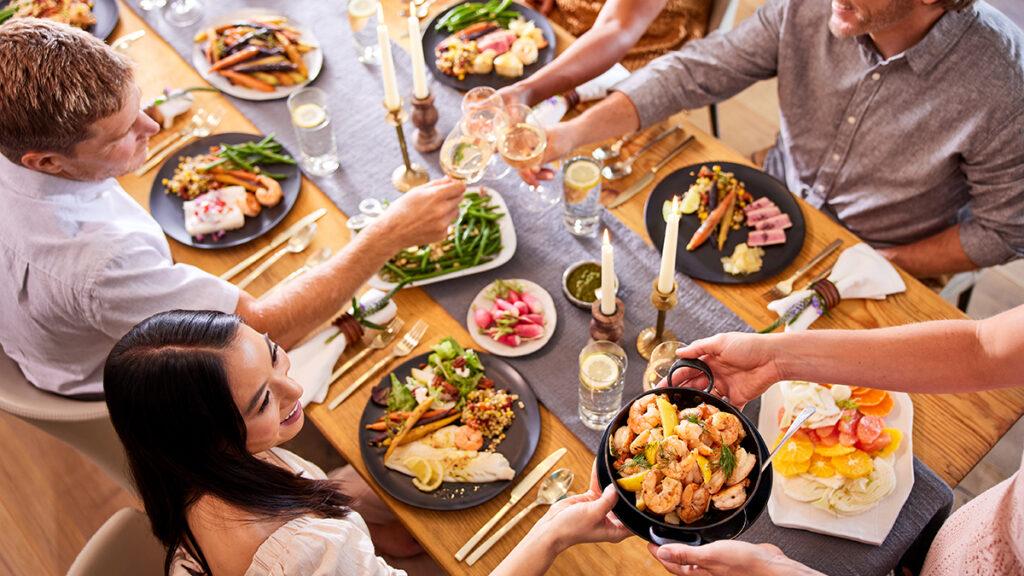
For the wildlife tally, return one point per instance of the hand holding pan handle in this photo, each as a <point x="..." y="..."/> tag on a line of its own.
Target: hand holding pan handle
<point x="697" y="365"/>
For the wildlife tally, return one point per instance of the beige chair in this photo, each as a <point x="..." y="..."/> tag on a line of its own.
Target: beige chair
<point x="85" y="425"/>
<point x="123" y="546"/>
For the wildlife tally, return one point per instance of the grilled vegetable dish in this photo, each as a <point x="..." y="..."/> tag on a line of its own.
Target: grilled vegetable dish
<point x="473" y="239"/>
<point x="487" y="38"/>
<point x="74" y="12"/>
<point x="679" y="462"/>
<point x="261" y="53"/>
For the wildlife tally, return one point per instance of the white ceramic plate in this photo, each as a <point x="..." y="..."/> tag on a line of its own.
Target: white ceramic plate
<point x="314" y="60"/>
<point x="527" y="347"/>
<point x="869" y="527"/>
<point x="508" y="249"/>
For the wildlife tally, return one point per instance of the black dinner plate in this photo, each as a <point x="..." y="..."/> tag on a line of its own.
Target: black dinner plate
<point x="106" y="13"/>
<point x="518" y="446"/>
<point x="167" y="208"/>
<point x="705" y="263"/>
<point x="432" y="37"/>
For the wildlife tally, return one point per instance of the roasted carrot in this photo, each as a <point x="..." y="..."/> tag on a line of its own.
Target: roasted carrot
<point x="245" y="80"/>
<point x="284" y="78"/>
<point x="424" y="430"/>
<point x="409" y="423"/>
<point x="704" y="232"/>
<point x="726" y="225"/>
<point x="236" y="58"/>
<point x="292" y="53"/>
<point x="378" y="426"/>
<point x="234" y="181"/>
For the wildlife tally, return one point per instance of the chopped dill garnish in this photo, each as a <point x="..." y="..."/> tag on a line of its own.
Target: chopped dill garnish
<point x="727" y="461"/>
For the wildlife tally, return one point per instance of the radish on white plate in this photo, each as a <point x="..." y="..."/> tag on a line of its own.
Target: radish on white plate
<point x="511" y="317"/>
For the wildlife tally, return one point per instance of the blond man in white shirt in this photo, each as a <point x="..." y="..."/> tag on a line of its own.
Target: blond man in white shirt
<point x="82" y="262"/>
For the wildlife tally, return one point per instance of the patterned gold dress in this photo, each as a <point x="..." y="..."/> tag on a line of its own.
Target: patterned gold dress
<point x="679" y="22"/>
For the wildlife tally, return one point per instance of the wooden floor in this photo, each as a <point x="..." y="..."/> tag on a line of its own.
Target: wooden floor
<point x="52" y="499"/>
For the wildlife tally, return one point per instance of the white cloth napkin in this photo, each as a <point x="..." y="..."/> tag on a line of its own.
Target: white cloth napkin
<point x="312" y="363"/>
<point x="860" y="272"/>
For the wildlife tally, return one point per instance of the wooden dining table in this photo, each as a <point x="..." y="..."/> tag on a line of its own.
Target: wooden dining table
<point x="951" y="432"/>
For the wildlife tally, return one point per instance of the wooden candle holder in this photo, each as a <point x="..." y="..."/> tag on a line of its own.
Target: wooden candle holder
<point x="608" y="328"/>
<point x="424" y="118"/>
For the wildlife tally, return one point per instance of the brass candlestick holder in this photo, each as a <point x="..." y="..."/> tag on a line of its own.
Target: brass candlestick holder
<point x="607" y="327"/>
<point x="424" y="118"/>
<point x="650" y="337"/>
<point x="409" y="174"/>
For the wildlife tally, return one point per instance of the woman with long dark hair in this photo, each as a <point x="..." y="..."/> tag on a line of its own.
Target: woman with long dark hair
<point x="202" y="402"/>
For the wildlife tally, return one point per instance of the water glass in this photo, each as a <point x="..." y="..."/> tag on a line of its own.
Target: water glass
<point x="148" y="5"/>
<point x="182" y="13"/>
<point x="362" y="21"/>
<point x="602" y="378"/>
<point x="312" y="122"/>
<point x="581" y="195"/>
<point x="662" y="357"/>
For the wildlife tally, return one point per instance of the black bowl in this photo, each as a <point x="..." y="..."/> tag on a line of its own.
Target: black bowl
<point x="716" y="524"/>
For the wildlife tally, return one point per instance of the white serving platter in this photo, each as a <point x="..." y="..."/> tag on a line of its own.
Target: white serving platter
<point x="527" y="347"/>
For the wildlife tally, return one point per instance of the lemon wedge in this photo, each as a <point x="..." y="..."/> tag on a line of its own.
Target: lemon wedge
<point x="309" y="116"/>
<point x="436" y="469"/>
<point x="633" y="482"/>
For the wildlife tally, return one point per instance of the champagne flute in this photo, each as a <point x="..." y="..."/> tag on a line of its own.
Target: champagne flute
<point x="487" y="123"/>
<point x="662" y="357"/>
<point x="522" y="145"/>
<point x="464" y="156"/>
<point x="480" y="97"/>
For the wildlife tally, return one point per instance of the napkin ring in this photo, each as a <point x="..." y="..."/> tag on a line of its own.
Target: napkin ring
<point x="828" y="293"/>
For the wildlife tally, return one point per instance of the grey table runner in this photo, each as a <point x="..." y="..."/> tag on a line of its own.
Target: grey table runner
<point x="369" y="152"/>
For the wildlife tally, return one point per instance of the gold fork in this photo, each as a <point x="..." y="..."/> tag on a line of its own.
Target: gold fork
<point x="403" y="348"/>
<point x="207" y="124"/>
<point x="382" y="340"/>
<point x="193" y="123"/>
<point x="785" y="287"/>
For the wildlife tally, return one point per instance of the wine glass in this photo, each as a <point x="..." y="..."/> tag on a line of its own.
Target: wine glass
<point x="480" y="97"/>
<point x="182" y="13"/>
<point x="522" y="145"/>
<point x="464" y="156"/>
<point x="662" y="357"/>
<point x="487" y="123"/>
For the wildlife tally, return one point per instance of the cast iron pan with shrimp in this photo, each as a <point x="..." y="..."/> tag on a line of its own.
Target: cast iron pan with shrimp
<point x="715" y="524"/>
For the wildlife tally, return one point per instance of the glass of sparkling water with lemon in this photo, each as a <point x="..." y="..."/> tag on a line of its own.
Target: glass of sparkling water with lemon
<point x="312" y="123"/>
<point x="602" y="377"/>
<point x="581" y="192"/>
<point x="362" y="20"/>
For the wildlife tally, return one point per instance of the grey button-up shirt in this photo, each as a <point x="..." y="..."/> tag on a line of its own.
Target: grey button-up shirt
<point x="895" y="150"/>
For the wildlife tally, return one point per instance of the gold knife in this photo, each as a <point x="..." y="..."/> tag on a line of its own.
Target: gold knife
<point x="644" y="182"/>
<point x="277" y="241"/>
<point x="521" y="489"/>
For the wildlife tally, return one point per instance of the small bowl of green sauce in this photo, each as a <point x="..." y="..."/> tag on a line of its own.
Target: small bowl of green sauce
<point x="580" y="281"/>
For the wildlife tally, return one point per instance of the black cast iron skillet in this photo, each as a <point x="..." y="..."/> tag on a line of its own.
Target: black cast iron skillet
<point x="716" y="524"/>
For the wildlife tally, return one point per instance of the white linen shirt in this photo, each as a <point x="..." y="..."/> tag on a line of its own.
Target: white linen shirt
<point x="82" y="263"/>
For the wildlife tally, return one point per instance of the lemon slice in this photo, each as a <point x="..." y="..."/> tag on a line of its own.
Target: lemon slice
<point x="600" y="371"/>
<point x="309" y="116"/>
<point x="436" y="477"/>
<point x="582" y="175"/>
<point x="362" y="8"/>
<point x="420" y="468"/>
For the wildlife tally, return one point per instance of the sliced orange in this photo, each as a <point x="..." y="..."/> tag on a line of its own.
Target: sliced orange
<point x="881" y="409"/>
<point x="795" y="451"/>
<point x="870" y="397"/>
<point x="791" y="468"/>
<point x="821" y="467"/>
<point x="831" y="451"/>
<point x="856" y="464"/>
<point x="897" y="436"/>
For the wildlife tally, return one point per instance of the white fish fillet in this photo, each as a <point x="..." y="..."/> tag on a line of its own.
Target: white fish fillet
<point x="459" y="465"/>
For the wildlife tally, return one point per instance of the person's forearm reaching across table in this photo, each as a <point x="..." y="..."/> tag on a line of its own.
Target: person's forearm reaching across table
<point x="420" y="216"/>
<point x="618" y="27"/>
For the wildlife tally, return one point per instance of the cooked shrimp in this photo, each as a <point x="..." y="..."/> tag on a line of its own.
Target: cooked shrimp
<point x="661" y="494"/>
<point x="268" y="191"/>
<point x="744" y="464"/>
<point x="690" y="433"/>
<point x="732" y="497"/>
<point x="687" y="413"/>
<point x="468" y="438"/>
<point x="728" y="426"/>
<point x="707" y="411"/>
<point x="717" y="481"/>
<point x="693" y="503"/>
<point x="621" y="439"/>
<point x="250" y="205"/>
<point x="644" y="438"/>
<point x="676" y="462"/>
<point x="643" y="414"/>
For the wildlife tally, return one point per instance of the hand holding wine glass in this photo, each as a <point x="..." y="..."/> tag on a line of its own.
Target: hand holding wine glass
<point x="523" y="145"/>
<point x="465" y="156"/>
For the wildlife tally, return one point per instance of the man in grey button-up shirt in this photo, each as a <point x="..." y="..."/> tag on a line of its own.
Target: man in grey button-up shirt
<point x="904" y="119"/>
